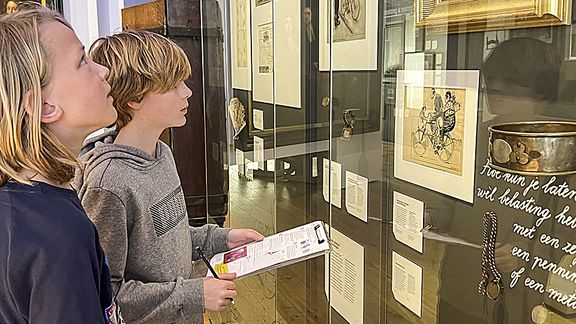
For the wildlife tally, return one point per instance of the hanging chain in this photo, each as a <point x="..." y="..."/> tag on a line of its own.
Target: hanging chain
<point x="492" y="250"/>
<point x="488" y="252"/>
<point x="485" y="274"/>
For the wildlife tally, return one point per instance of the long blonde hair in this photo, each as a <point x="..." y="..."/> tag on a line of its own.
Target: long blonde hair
<point x="25" y="143"/>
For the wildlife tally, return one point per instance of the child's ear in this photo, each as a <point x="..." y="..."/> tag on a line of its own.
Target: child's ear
<point x="28" y="103"/>
<point x="49" y="114"/>
<point x="135" y="105"/>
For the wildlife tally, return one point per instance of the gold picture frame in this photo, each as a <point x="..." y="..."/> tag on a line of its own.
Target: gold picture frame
<point x="461" y="16"/>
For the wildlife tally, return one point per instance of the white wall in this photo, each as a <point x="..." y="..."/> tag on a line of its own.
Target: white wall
<point x="83" y="16"/>
<point x="109" y="16"/>
<point x="93" y="18"/>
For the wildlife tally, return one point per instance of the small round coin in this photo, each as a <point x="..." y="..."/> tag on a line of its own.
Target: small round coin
<point x="493" y="290"/>
<point x="501" y="151"/>
<point x="539" y="314"/>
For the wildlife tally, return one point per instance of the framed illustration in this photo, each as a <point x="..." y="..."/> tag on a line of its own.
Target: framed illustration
<point x="459" y="16"/>
<point x="276" y="48"/>
<point x="262" y="83"/>
<point x="350" y="22"/>
<point x="354" y="35"/>
<point x="288" y="53"/>
<point x="241" y="39"/>
<point x="436" y="130"/>
<point x="262" y="2"/>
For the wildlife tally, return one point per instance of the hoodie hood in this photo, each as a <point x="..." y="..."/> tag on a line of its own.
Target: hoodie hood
<point x="101" y="148"/>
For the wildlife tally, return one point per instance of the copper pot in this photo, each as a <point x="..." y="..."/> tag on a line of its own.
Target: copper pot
<point x="533" y="148"/>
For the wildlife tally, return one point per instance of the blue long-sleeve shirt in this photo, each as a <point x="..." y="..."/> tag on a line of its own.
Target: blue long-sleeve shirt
<point x="52" y="269"/>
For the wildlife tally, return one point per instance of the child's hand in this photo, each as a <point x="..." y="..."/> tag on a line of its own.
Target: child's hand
<point x="237" y="237"/>
<point x="218" y="293"/>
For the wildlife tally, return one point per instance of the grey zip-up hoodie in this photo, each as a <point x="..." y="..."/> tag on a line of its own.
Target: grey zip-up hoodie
<point x="137" y="204"/>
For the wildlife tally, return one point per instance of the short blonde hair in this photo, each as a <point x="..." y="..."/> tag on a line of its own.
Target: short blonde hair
<point x="25" y="67"/>
<point x="139" y="62"/>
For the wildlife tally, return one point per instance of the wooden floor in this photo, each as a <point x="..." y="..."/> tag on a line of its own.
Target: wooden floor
<point x="294" y="294"/>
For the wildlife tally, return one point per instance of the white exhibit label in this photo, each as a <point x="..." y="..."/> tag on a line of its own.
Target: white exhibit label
<point x="250" y="167"/>
<point x="346" y="277"/>
<point x="314" y="167"/>
<point x="258" y="119"/>
<point x="259" y="151"/>
<point x="240" y="161"/>
<point x="332" y="183"/>
<point x="407" y="220"/>
<point x="407" y="283"/>
<point x="357" y="195"/>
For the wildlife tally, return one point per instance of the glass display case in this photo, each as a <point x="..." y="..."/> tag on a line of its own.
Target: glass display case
<point x="436" y="139"/>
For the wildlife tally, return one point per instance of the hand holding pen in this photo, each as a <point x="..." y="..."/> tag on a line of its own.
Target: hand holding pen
<point x="219" y="292"/>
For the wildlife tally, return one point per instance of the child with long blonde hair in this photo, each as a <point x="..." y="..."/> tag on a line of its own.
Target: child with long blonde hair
<point x="52" y="268"/>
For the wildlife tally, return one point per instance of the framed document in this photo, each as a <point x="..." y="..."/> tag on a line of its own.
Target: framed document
<point x="436" y="130"/>
<point x="276" y="47"/>
<point x="262" y="73"/>
<point x="354" y="35"/>
<point x="241" y="39"/>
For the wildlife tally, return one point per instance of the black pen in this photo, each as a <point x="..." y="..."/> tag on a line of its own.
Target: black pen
<point x="214" y="274"/>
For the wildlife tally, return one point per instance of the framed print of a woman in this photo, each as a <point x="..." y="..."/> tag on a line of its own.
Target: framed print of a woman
<point x="11" y="6"/>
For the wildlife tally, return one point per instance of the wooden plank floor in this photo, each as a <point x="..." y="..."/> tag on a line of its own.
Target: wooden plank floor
<point x="294" y="294"/>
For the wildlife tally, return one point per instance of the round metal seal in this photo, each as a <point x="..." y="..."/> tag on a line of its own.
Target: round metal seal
<point x="501" y="151"/>
<point x="493" y="290"/>
<point x="539" y="314"/>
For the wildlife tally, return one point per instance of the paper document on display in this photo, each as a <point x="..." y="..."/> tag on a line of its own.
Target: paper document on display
<point x="275" y="251"/>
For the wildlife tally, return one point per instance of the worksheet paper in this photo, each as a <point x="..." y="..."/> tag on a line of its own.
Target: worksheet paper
<point x="275" y="251"/>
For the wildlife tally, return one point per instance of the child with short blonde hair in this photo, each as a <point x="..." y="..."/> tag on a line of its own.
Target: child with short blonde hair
<point x="52" y="269"/>
<point x="132" y="191"/>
